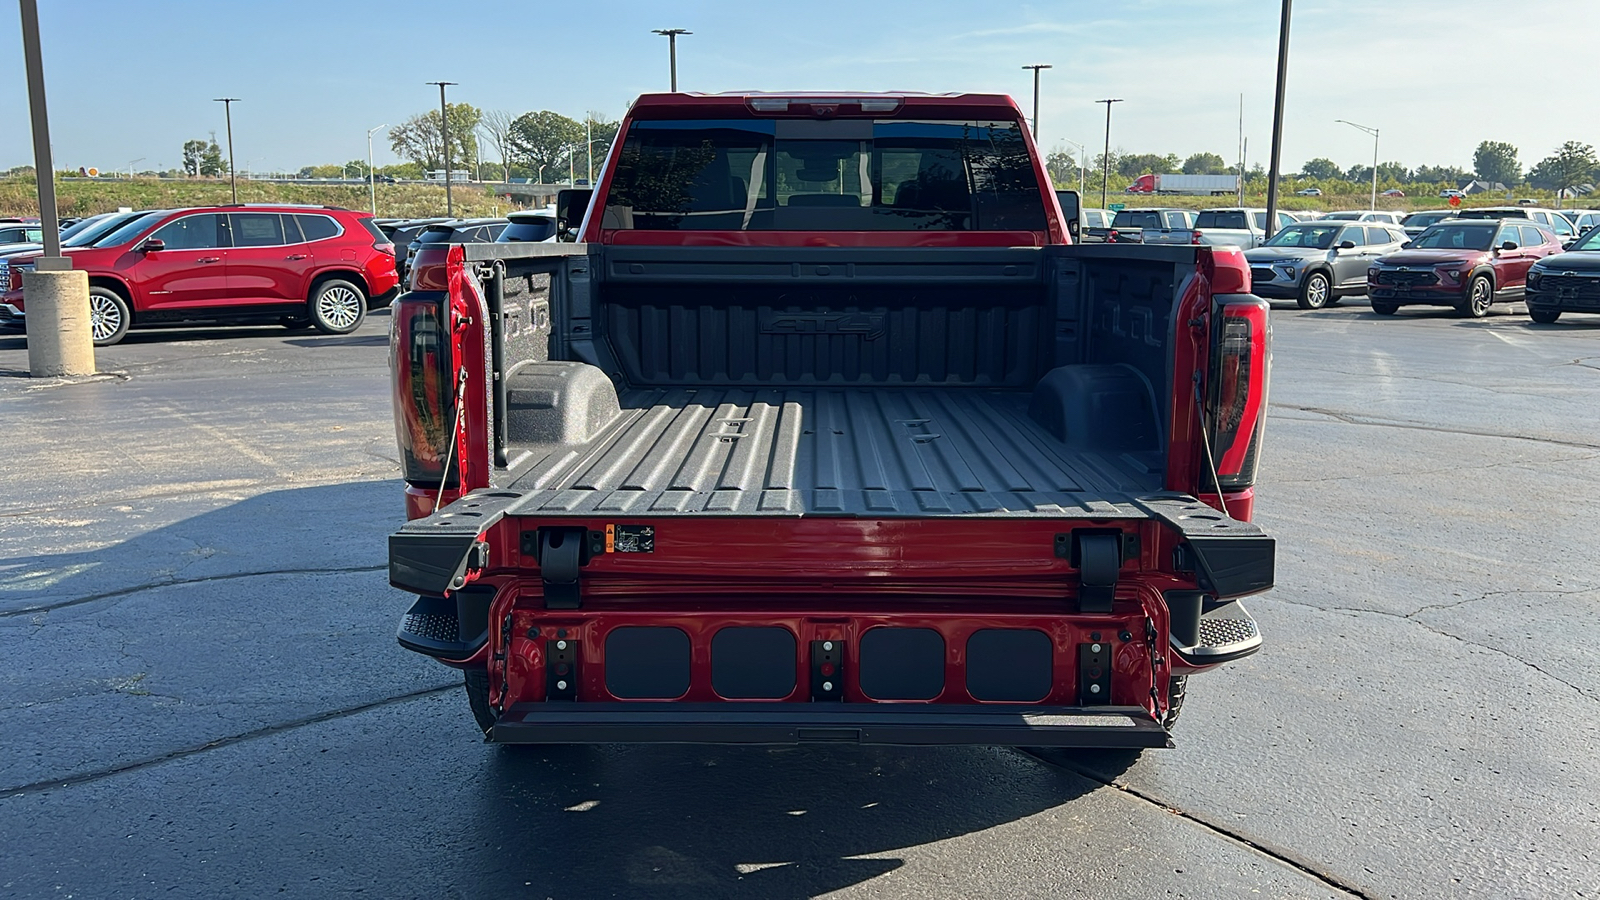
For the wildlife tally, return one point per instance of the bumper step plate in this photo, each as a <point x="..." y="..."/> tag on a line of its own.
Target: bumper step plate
<point x="844" y="723"/>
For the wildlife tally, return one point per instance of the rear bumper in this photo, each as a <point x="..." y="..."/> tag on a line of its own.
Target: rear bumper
<point x="845" y="723"/>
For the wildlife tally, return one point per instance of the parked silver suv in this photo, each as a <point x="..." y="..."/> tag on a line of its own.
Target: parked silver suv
<point x="1318" y="262"/>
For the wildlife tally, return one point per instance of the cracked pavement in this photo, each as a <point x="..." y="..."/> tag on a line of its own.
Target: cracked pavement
<point x="202" y="695"/>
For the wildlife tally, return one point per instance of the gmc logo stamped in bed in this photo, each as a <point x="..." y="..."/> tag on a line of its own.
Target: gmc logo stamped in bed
<point x="868" y="325"/>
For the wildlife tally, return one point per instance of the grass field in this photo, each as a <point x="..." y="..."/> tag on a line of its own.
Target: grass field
<point x="19" y="197"/>
<point x="1325" y="203"/>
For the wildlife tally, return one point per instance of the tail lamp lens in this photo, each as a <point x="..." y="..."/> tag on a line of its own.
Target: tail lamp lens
<point x="1194" y="238"/>
<point x="1237" y="407"/>
<point x="424" y="400"/>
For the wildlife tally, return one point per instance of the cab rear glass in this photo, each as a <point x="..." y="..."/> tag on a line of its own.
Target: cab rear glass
<point x="830" y="175"/>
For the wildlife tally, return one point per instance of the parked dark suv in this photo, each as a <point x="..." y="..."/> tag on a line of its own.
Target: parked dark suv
<point x="298" y="265"/>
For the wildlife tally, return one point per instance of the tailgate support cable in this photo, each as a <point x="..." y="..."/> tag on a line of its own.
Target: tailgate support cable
<point x="455" y="435"/>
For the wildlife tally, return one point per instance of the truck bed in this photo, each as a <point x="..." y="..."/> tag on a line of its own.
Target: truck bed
<point x="787" y="452"/>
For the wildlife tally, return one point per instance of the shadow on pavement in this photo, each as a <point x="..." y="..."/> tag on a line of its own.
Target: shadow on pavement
<point x="736" y="821"/>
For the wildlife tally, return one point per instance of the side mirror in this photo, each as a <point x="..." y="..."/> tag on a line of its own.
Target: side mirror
<point x="1070" y="210"/>
<point x="1509" y="245"/>
<point x="1347" y="245"/>
<point x="1406" y="246"/>
<point x="153" y="245"/>
<point x="570" y="207"/>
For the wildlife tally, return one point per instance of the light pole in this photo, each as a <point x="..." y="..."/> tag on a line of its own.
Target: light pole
<point x="1277" y="120"/>
<point x="372" y="179"/>
<point x="671" y="34"/>
<point x="131" y="164"/>
<point x="1105" y="159"/>
<point x="227" y="110"/>
<point x="1083" y="162"/>
<point x="1374" y="133"/>
<point x="1036" y="69"/>
<point x="542" y="167"/>
<point x="444" y="135"/>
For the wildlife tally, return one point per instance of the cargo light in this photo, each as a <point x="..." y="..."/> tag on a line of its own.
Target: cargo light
<point x="883" y="104"/>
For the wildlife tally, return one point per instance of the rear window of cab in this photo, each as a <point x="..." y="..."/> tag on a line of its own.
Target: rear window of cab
<point x="824" y="175"/>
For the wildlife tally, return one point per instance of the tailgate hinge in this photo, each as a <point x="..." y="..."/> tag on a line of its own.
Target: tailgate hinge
<point x="1098" y="556"/>
<point x="560" y="553"/>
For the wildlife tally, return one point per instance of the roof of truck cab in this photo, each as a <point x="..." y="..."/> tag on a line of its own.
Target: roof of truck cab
<point x="737" y="104"/>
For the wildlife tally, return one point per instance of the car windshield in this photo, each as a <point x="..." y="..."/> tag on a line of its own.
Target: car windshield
<point x="1590" y="241"/>
<point x="1423" y="220"/>
<point x="1136" y="218"/>
<point x="842" y="174"/>
<point x="1456" y="237"/>
<point x="1319" y="237"/>
<point x="132" y="229"/>
<point x="95" y="229"/>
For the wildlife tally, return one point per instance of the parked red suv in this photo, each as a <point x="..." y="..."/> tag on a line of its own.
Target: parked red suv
<point x="1468" y="265"/>
<point x="298" y="265"/>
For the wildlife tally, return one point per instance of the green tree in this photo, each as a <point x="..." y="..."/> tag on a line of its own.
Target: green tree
<point x="1204" y="164"/>
<point x="497" y="128"/>
<point x="1453" y="176"/>
<point x="544" y="139"/>
<point x="1136" y="164"/>
<point x="420" y="138"/>
<point x="1497" y="161"/>
<point x="193" y="152"/>
<point x="1573" y="164"/>
<point x="1321" y="168"/>
<point x="1063" y="168"/>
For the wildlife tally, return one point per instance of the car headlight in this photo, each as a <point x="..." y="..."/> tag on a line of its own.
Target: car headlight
<point x="1534" y="276"/>
<point x="1372" y="274"/>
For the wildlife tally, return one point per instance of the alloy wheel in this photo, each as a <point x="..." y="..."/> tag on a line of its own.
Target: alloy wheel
<point x="339" y="307"/>
<point x="105" y="319"/>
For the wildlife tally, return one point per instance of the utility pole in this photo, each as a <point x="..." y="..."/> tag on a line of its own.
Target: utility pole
<point x="1277" y="119"/>
<point x="227" y="110"/>
<point x="1083" y="162"/>
<point x="444" y="134"/>
<point x="1105" y="159"/>
<point x="60" y="320"/>
<point x="671" y="34"/>
<point x="372" y="178"/>
<point x="1241" y="149"/>
<point x="1036" y="69"/>
<point x="1374" y="133"/>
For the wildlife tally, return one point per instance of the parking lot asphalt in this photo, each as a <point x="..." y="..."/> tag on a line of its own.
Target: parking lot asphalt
<point x="202" y="695"/>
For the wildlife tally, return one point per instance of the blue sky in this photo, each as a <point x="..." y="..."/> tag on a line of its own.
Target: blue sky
<point x="130" y="80"/>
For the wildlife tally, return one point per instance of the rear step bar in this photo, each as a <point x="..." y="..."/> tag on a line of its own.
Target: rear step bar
<point x="1115" y="727"/>
<point x="1223" y="633"/>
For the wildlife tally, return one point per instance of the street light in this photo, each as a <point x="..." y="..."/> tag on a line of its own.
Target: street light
<point x="372" y="180"/>
<point x="1105" y="159"/>
<point x="227" y="109"/>
<point x="131" y="164"/>
<point x="1083" y="162"/>
<point x="671" y="34"/>
<point x="444" y="135"/>
<point x="1374" y="133"/>
<point x="1036" y="69"/>
<point x="1277" y="119"/>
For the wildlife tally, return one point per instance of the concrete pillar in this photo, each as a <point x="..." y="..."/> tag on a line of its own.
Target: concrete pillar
<point x="57" y="306"/>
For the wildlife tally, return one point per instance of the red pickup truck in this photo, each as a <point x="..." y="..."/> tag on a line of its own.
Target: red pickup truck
<point x="822" y="430"/>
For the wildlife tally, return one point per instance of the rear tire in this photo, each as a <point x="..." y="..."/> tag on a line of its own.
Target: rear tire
<point x="1176" y="688"/>
<point x="1385" y="309"/>
<point x="109" y="316"/>
<point x="478" y="698"/>
<point x="1544" y="316"/>
<point x="337" y="307"/>
<point x="1315" y="292"/>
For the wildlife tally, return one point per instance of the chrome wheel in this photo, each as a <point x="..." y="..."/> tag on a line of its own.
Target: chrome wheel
<point x="1482" y="296"/>
<point x="339" y="307"/>
<point x="105" y="317"/>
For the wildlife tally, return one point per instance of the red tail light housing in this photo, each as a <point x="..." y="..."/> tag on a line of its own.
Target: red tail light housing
<point x="1236" y="408"/>
<point x="1194" y="237"/>
<point x="430" y="270"/>
<point x="385" y="247"/>
<point x="1112" y="237"/>
<point x="422" y="367"/>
